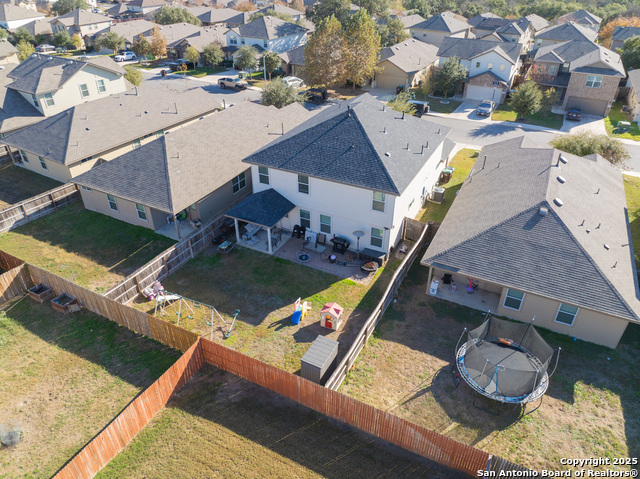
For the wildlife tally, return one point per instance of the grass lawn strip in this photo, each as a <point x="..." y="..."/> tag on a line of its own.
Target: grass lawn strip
<point x="63" y="378"/>
<point x="438" y="106"/>
<point x="616" y="115"/>
<point x="632" y="192"/>
<point x="544" y="118"/>
<point x="18" y="184"/>
<point x="88" y="248"/>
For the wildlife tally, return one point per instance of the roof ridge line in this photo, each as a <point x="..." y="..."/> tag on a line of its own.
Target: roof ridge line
<point x="66" y="145"/>
<point x="163" y="142"/>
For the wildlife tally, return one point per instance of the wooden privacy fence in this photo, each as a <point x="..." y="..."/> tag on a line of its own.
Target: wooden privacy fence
<point x="113" y="438"/>
<point x="336" y="378"/>
<point x="8" y="261"/>
<point x="37" y="207"/>
<point x="14" y="283"/>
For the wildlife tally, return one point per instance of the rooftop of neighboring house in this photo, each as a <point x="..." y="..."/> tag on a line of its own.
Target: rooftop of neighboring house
<point x="13" y="12"/>
<point x="180" y="168"/>
<point x="282" y="9"/>
<point x="447" y="22"/>
<point x="176" y="32"/>
<point x="583" y="57"/>
<point x="474" y="21"/>
<point x="469" y="48"/>
<point x="268" y="28"/>
<point x="410" y="21"/>
<point x="504" y="26"/>
<point x="537" y="22"/>
<point x="624" y="33"/>
<point x="527" y="220"/>
<point x="410" y="56"/>
<point x="213" y="15"/>
<point x="15" y="111"/>
<point x="206" y="36"/>
<point x="6" y="49"/>
<point x="96" y="126"/>
<point x="294" y="57"/>
<point x="118" y="9"/>
<point x="147" y="3"/>
<point x="359" y="143"/>
<point x="567" y="31"/>
<point x="79" y="18"/>
<point x="130" y="30"/>
<point x="634" y="80"/>
<point x="581" y="17"/>
<point x="42" y="26"/>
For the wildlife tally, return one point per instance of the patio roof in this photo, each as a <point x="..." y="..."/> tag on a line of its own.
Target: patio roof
<point x="265" y="208"/>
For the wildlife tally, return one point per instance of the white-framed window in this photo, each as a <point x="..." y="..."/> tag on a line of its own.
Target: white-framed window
<point x="379" y="200"/>
<point x="84" y="90"/>
<point x="513" y="299"/>
<point x="594" y="81"/>
<point x="23" y="155"/>
<point x="160" y="133"/>
<point x="142" y="212"/>
<point x="238" y="183"/>
<point x="101" y="86"/>
<point x="136" y="144"/>
<point x="553" y="69"/>
<point x="43" y="163"/>
<point x="305" y="218"/>
<point x="502" y="67"/>
<point x="477" y="64"/>
<point x="233" y="40"/>
<point x="263" y="175"/>
<point x="566" y="314"/>
<point x="48" y="99"/>
<point x="490" y="66"/>
<point x="112" y="202"/>
<point x="303" y="184"/>
<point x="35" y="101"/>
<point x="325" y="224"/>
<point x="377" y="235"/>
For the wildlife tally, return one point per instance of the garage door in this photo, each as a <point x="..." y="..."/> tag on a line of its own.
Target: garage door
<point x="588" y="106"/>
<point x="475" y="92"/>
<point x="385" y="80"/>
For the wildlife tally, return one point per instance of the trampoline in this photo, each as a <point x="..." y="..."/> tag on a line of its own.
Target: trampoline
<point x="505" y="361"/>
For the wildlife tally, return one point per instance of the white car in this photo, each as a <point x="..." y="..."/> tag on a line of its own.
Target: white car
<point x="125" y="56"/>
<point x="294" y="82"/>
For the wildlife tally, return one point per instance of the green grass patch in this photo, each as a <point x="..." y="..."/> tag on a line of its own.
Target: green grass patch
<point x="438" y="106"/>
<point x="545" y="118"/>
<point x="632" y="192"/>
<point x="200" y="72"/>
<point x="18" y="184"/>
<point x="616" y="115"/>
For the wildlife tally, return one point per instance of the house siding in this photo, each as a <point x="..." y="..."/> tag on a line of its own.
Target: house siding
<point x="219" y="200"/>
<point x="496" y="60"/>
<point x="577" y="88"/>
<point x="95" y="200"/>
<point x="434" y="37"/>
<point x="634" y="106"/>
<point x="391" y="76"/>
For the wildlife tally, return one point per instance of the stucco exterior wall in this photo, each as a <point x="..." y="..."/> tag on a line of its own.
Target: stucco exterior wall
<point x="95" y="200"/>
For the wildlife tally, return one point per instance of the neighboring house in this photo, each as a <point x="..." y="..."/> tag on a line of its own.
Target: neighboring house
<point x="633" y="97"/>
<point x="40" y="27"/>
<point x="201" y="39"/>
<point x="213" y="16"/>
<point x="12" y="17"/>
<point x="406" y="63"/>
<point x="119" y="10"/>
<point x="74" y="141"/>
<point x="179" y="172"/>
<point x="410" y="21"/>
<point x="130" y="31"/>
<point x="492" y="66"/>
<point x="8" y="53"/>
<point x="565" y="32"/>
<point x="544" y="235"/>
<point x="622" y="34"/>
<point x="353" y="166"/>
<point x="145" y="7"/>
<point x="174" y="34"/>
<point x="585" y="75"/>
<point x="269" y="34"/>
<point x="293" y="61"/>
<point x="583" y="18"/>
<point x="474" y="21"/>
<point x="86" y="24"/>
<point x="537" y="22"/>
<point x="295" y="14"/>
<point x="436" y="28"/>
<point x="499" y="29"/>
<point x="16" y="111"/>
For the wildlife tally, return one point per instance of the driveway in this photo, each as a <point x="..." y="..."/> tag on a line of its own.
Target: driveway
<point x="591" y="123"/>
<point x="383" y="94"/>
<point x="467" y="111"/>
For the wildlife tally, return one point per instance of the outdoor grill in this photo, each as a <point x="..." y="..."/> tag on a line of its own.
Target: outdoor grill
<point x="340" y="245"/>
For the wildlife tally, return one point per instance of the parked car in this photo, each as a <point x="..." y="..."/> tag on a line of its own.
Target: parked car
<point x="236" y="83"/>
<point x="295" y="82"/>
<point x="125" y="56"/>
<point x="177" y="65"/>
<point x="46" y="48"/>
<point x="574" y="114"/>
<point x="421" y="107"/>
<point x="315" y="95"/>
<point x="486" y="108"/>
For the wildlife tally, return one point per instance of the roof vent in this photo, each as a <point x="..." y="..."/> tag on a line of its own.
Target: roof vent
<point x="87" y="128"/>
<point x="606" y="246"/>
<point x="387" y="154"/>
<point x="543" y="211"/>
<point x="558" y="202"/>
<point x="561" y="180"/>
<point x="563" y="160"/>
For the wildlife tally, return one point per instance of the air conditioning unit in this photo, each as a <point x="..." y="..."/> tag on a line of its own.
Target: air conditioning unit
<point x="437" y="195"/>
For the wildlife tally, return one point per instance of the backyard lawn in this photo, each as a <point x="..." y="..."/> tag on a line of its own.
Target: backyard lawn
<point x="544" y="117"/>
<point x="18" y="184"/>
<point x="63" y="378"/>
<point x="221" y="426"/>
<point x="88" y="248"/>
<point x="611" y="123"/>
<point x="632" y="191"/>
<point x="590" y="410"/>
<point x="462" y="162"/>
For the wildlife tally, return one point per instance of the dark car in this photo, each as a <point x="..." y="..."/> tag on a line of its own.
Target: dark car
<point x="574" y="114"/>
<point x="315" y="95"/>
<point x="177" y="65"/>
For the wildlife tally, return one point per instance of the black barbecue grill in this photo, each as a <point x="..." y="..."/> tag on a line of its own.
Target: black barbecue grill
<point x="340" y="245"/>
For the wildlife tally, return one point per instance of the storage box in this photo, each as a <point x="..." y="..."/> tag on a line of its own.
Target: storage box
<point x="320" y="360"/>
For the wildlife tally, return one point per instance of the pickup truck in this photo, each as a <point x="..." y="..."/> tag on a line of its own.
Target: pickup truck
<point x="236" y="83"/>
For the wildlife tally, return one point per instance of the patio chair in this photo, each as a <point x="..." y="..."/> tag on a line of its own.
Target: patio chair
<point x="321" y="239"/>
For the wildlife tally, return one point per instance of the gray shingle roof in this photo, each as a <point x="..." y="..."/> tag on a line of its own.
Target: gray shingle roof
<point x="269" y="28"/>
<point x="293" y="57"/>
<point x="537" y="22"/>
<point x="468" y="48"/>
<point x="359" y="143"/>
<point x="410" y="56"/>
<point x="130" y="30"/>
<point x="444" y="22"/>
<point x="213" y="15"/>
<point x="15" y="111"/>
<point x="147" y="3"/>
<point x="176" y="32"/>
<point x="79" y="17"/>
<point x="204" y="37"/>
<point x="6" y="49"/>
<point x="566" y="32"/>
<point x="581" y="17"/>
<point x="410" y="21"/>
<point x="94" y="127"/>
<point x="265" y="208"/>
<point x="474" y="21"/>
<point x="13" y="12"/>
<point x="281" y="9"/>
<point x="583" y="57"/>
<point x="494" y="231"/>
<point x="181" y="168"/>
<point x="624" y="33"/>
<point x="41" y="26"/>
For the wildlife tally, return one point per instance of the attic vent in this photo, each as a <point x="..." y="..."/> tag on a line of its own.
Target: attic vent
<point x="558" y="202"/>
<point x="561" y="180"/>
<point x="563" y="160"/>
<point x="543" y="211"/>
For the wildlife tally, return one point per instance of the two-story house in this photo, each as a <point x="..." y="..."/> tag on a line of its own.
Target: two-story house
<point x="13" y="17"/>
<point x="492" y="65"/>
<point x="145" y="7"/>
<point x="621" y="35"/>
<point x="583" y="18"/>
<point x="73" y="141"/>
<point x="267" y="34"/>
<point x="564" y="32"/>
<point x="503" y="30"/>
<point x="537" y="22"/>
<point x="585" y="75"/>
<point x="355" y="166"/>
<point x="201" y="39"/>
<point x="406" y="63"/>
<point x="474" y="21"/>
<point x="438" y="27"/>
<point x="83" y="23"/>
<point x="130" y="31"/>
<point x="40" y="27"/>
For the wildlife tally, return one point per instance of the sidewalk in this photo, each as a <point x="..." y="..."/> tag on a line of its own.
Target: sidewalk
<point x="511" y="124"/>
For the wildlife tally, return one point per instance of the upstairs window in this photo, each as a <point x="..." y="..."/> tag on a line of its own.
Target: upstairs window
<point x="35" y="101"/>
<point x="263" y="175"/>
<point x="101" y="86"/>
<point x="233" y="40"/>
<point x="48" y="99"/>
<point x="23" y="154"/>
<point x="553" y="69"/>
<point x="379" y="200"/>
<point x="84" y="90"/>
<point x="477" y="64"/>
<point x="594" y="81"/>
<point x="303" y="184"/>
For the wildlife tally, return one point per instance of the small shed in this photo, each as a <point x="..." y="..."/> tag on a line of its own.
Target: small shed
<point x="331" y="316"/>
<point x="320" y="360"/>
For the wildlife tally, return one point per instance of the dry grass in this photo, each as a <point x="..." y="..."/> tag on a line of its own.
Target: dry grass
<point x="18" y="184"/>
<point x="221" y="426"/>
<point x="590" y="410"/>
<point x="63" y="378"/>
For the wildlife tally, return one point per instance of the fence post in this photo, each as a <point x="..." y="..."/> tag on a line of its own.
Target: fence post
<point x="26" y="215"/>
<point x="190" y="248"/>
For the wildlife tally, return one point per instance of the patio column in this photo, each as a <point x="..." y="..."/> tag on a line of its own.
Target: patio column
<point x="429" y="279"/>
<point x="269" y="240"/>
<point x="175" y="222"/>
<point x="235" y="223"/>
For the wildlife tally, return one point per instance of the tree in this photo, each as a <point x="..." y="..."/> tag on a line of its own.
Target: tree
<point x="323" y="55"/>
<point x="527" y="99"/>
<point x="271" y="62"/>
<point x="377" y="8"/>
<point x="278" y="94"/>
<point x="76" y="41"/>
<point x="298" y="5"/>
<point x="111" y="41"/>
<point x="25" y="50"/>
<point x="192" y="55"/>
<point x="606" y="32"/>
<point x="141" y="47"/>
<point x="61" y="38"/>
<point x="65" y="6"/>
<point x="401" y="103"/>
<point x="587" y="143"/>
<point x="158" y="44"/>
<point x="361" y="48"/>
<point x="630" y="53"/>
<point x="212" y="54"/>
<point x="421" y="7"/>
<point x="133" y="75"/>
<point x="3" y="34"/>
<point x="272" y="13"/>
<point x="40" y="39"/>
<point x="22" y="35"/>
<point x="170" y="15"/>
<point x="392" y="32"/>
<point x="329" y="8"/>
<point x="549" y="98"/>
<point x="448" y="77"/>
<point x="246" y="59"/>
<point x="246" y="6"/>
